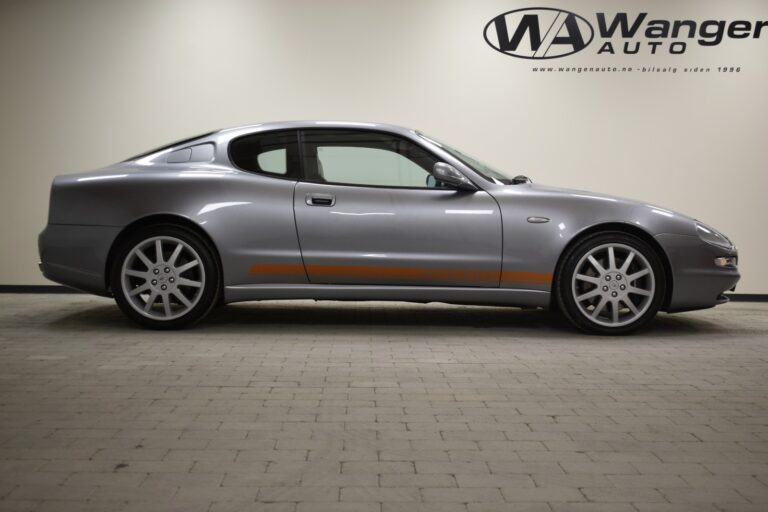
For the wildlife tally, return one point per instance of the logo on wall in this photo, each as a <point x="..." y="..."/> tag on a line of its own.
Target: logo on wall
<point x="538" y="33"/>
<point x="546" y="33"/>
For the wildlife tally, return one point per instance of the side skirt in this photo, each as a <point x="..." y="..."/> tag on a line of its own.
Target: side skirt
<point x="450" y="295"/>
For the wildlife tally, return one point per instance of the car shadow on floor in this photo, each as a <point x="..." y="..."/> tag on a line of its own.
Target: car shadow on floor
<point x="303" y="317"/>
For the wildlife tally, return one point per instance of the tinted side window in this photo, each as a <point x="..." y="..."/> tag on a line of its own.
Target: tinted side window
<point x="274" y="161"/>
<point x="274" y="153"/>
<point x="357" y="157"/>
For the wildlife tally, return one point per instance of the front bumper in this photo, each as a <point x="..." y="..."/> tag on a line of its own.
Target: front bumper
<point x="697" y="283"/>
<point x="76" y="255"/>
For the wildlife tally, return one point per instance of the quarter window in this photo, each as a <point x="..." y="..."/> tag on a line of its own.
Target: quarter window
<point x="274" y="153"/>
<point x="275" y="161"/>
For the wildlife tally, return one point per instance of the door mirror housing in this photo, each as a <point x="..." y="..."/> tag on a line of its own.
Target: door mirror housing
<point x="448" y="174"/>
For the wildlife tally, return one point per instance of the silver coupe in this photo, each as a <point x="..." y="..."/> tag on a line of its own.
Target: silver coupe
<point x="363" y="211"/>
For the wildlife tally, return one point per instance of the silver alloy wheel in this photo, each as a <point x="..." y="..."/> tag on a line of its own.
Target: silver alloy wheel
<point x="162" y="278"/>
<point x="613" y="285"/>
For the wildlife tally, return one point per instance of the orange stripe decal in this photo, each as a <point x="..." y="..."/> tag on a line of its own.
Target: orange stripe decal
<point x="403" y="273"/>
<point x="541" y="278"/>
<point x="485" y="277"/>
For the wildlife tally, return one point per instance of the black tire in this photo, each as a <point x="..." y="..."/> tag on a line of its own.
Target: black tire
<point x="209" y="292"/>
<point x="566" y="291"/>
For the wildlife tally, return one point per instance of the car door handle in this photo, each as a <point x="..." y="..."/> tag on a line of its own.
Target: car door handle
<point x="321" y="199"/>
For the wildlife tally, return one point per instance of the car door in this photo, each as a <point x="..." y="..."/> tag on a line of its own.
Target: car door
<point x="368" y="214"/>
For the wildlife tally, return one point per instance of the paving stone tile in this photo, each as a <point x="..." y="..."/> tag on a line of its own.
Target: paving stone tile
<point x="463" y="495"/>
<point x="475" y="467"/>
<point x="703" y="495"/>
<point x="423" y="507"/>
<point x="299" y="494"/>
<point x="338" y="507"/>
<point x="494" y="480"/>
<point x="380" y="494"/>
<point x="541" y="494"/>
<point x="509" y="507"/>
<point x="377" y="467"/>
<point x="106" y="479"/>
<point x="619" y="495"/>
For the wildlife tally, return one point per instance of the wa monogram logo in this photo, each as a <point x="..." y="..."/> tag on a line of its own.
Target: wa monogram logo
<point x="538" y="33"/>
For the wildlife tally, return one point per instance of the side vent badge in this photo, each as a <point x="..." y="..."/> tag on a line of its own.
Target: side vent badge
<point x="538" y="220"/>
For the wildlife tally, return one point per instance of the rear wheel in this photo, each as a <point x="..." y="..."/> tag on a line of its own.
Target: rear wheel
<point x="611" y="283"/>
<point x="165" y="277"/>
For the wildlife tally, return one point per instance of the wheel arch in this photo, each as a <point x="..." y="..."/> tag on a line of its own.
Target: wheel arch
<point x="153" y="220"/>
<point x="624" y="228"/>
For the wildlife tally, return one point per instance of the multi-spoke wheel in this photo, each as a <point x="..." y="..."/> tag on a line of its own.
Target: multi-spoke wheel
<point x="165" y="277"/>
<point x="611" y="283"/>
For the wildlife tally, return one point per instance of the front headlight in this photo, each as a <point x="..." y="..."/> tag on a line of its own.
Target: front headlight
<point x="713" y="237"/>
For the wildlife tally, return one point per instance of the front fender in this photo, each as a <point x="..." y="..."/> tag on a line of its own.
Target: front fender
<point x="534" y="248"/>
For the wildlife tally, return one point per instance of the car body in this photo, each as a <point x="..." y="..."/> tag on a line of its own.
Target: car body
<point x="299" y="210"/>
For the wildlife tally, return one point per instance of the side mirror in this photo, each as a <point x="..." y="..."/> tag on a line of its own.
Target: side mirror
<point x="448" y="174"/>
<point x="520" y="179"/>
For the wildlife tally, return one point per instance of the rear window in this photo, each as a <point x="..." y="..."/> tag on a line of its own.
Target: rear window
<point x="169" y="146"/>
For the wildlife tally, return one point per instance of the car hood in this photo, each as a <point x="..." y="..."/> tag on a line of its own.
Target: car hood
<point x="585" y="208"/>
<point x="600" y="198"/>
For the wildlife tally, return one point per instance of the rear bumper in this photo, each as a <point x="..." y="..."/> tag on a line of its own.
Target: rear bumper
<point x="697" y="283"/>
<point x="76" y="255"/>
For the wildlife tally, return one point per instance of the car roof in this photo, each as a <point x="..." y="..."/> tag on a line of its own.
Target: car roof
<point x="287" y="125"/>
<point x="226" y="134"/>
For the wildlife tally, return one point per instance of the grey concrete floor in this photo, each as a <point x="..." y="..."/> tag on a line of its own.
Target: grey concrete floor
<point x="302" y="406"/>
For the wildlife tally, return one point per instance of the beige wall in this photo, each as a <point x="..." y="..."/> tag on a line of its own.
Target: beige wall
<point x="84" y="84"/>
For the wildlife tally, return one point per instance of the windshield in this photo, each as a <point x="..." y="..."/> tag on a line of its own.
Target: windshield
<point x="484" y="170"/>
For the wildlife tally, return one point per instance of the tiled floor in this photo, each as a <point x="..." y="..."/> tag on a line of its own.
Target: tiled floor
<point x="303" y="406"/>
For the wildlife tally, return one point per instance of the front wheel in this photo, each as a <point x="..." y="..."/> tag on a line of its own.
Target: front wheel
<point x="165" y="277"/>
<point x="611" y="283"/>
